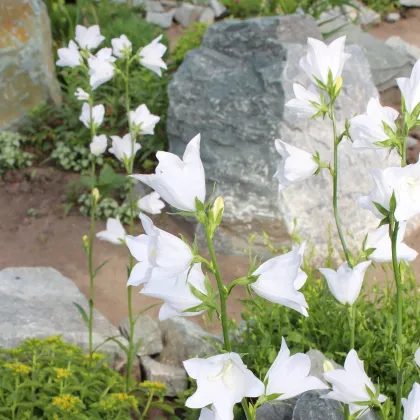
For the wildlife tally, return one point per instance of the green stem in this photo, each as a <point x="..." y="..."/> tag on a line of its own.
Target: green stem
<point x="222" y="294"/>
<point x="91" y="236"/>
<point x="394" y="226"/>
<point x="129" y="168"/>
<point x="335" y="191"/>
<point x="146" y="409"/>
<point x="352" y="316"/>
<point x="223" y="309"/>
<point x="338" y="224"/>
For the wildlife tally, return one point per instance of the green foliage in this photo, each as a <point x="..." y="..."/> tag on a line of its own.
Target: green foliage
<point x="75" y="157"/>
<point x="12" y="155"/>
<point x="383" y="6"/>
<point x="188" y="41"/>
<point x="326" y="329"/>
<point x="57" y="129"/>
<point x="50" y="379"/>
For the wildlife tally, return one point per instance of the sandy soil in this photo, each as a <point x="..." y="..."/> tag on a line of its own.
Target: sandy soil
<point x="50" y="239"/>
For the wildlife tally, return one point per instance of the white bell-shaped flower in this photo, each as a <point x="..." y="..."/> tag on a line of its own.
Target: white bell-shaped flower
<point x="289" y="375"/>
<point x="161" y="255"/>
<point x="151" y="56"/>
<point x="151" y="203"/>
<point x="114" y="232"/>
<point x="179" y="182"/>
<point x="223" y="381"/>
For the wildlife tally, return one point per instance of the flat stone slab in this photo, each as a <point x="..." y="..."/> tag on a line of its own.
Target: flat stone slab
<point x="38" y="302"/>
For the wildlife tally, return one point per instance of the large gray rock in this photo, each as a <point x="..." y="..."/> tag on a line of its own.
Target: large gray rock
<point x="147" y="330"/>
<point x="232" y="90"/>
<point x="386" y="64"/>
<point x="27" y="69"/>
<point x="183" y="339"/>
<point x="38" y="302"/>
<point x="175" y="378"/>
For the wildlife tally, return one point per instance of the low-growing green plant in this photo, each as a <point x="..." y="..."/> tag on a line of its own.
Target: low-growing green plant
<point x="12" y="153"/>
<point x="73" y="157"/>
<point x="50" y="379"/>
<point x="264" y="324"/>
<point x="188" y="41"/>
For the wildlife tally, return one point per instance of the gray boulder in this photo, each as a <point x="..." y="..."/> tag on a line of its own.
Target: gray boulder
<point x="27" y="69"/>
<point x="232" y="90"/>
<point x="147" y="330"/>
<point x="162" y="19"/>
<point x="184" y="339"/>
<point x="188" y="13"/>
<point x="175" y="378"/>
<point x="38" y="302"/>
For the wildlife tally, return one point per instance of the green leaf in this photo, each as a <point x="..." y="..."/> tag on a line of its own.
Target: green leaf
<point x="99" y="268"/>
<point x="381" y="208"/>
<point x="197" y="293"/>
<point x="82" y="313"/>
<point x="162" y="406"/>
<point x="392" y="203"/>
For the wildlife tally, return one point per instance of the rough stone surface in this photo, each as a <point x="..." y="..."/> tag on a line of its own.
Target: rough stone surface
<point x="188" y="13"/>
<point x="218" y="8"/>
<point x="232" y="90"/>
<point x="393" y="17"/>
<point x="119" y="364"/>
<point x="361" y="14"/>
<point x="175" y="378"/>
<point x="207" y="16"/>
<point x="317" y="363"/>
<point x="311" y="407"/>
<point x="283" y="411"/>
<point x="184" y="339"/>
<point x="38" y="302"/>
<point x="410" y="3"/>
<point x="27" y="69"/>
<point x="162" y="19"/>
<point x="404" y="48"/>
<point x="154" y="6"/>
<point x="146" y="329"/>
<point x="385" y="63"/>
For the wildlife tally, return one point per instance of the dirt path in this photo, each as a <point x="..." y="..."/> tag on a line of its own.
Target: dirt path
<point x="49" y="239"/>
<point x="408" y="28"/>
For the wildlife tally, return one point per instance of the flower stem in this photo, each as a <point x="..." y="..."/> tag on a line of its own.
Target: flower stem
<point x="335" y="190"/>
<point x="222" y="294"/>
<point x="129" y="168"/>
<point x="91" y="236"/>
<point x="338" y="224"/>
<point x="146" y="409"/>
<point x="394" y="226"/>
<point x="223" y="309"/>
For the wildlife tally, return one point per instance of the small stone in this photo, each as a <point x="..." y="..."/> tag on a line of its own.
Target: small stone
<point x="164" y="19"/>
<point x="393" y="17"/>
<point x="169" y="3"/>
<point x="120" y="365"/>
<point x="154" y="6"/>
<point x="311" y="407"/>
<point x="283" y="411"/>
<point x="361" y="14"/>
<point x="146" y="329"/>
<point x="207" y="16"/>
<point x="218" y="8"/>
<point x="403" y="47"/>
<point x="175" y="378"/>
<point x="188" y="13"/>
<point x="317" y="363"/>
<point x="411" y="142"/>
<point x="183" y="339"/>
<point x="410" y="3"/>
